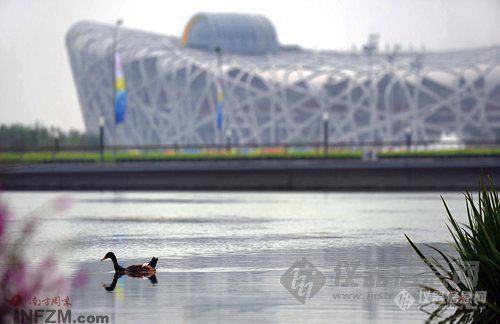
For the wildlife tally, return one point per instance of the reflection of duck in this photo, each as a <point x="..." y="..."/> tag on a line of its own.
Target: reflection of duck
<point x="118" y="275"/>
<point x="146" y="268"/>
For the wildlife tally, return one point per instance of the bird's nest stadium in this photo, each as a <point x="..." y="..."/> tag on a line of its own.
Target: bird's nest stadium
<point x="274" y="93"/>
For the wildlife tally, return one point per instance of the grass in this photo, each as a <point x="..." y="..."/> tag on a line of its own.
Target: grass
<point x="470" y="152"/>
<point x="43" y="157"/>
<point x="265" y="153"/>
<point x="476" y="240"/>
<point x="18" y="158"/>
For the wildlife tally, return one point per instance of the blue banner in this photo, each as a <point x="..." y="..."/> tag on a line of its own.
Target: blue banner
<point x="120" y="91"/>
<point x="120" y="106"/>
<point x="219" y="116"/>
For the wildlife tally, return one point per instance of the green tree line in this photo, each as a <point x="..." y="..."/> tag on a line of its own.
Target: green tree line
<point x="23" y="136"/>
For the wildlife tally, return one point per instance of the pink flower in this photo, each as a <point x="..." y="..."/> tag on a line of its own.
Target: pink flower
<point x="18" y="282"/>
<point x="80" y="278"/>
<point x="62" y="203"/>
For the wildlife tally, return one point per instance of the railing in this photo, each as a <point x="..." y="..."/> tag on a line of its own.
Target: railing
<point x="334" y="150"/>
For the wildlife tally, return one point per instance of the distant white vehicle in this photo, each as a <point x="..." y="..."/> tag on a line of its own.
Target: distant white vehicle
<point x="448" y="141"/>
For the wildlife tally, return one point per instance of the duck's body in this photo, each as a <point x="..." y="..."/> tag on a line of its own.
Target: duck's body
<point x="146" y="268"/>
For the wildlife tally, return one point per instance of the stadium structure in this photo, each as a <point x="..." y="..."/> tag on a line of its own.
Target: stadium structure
<point x="275" y="93"/>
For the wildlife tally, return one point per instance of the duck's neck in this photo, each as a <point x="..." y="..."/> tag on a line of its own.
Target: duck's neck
<point x="115" y="264"/>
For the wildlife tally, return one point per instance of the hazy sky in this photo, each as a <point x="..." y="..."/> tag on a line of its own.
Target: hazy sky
<point x="35" y="77"/>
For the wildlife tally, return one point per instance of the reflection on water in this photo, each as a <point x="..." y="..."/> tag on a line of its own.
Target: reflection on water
<point x="152" y="278"/>
<point x="222" y="254"/>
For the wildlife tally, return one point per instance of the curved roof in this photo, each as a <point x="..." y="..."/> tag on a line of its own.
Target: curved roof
<point x="234" y="33"/>
<point x="172" y="92"/>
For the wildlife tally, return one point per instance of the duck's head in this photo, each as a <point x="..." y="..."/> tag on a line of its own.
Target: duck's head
<point x="109" y="255"/>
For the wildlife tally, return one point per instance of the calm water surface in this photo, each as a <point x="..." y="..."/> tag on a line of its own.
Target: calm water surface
<point x="222" y="254"/>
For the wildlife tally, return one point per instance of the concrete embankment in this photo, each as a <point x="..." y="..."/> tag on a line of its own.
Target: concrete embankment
<point x="301" y="174"/>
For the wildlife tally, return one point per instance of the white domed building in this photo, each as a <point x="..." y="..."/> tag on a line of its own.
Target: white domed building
<point x="275" y="93"/>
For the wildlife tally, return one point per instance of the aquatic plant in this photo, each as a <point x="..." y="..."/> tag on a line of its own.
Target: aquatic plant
<point x="477" y="243"/>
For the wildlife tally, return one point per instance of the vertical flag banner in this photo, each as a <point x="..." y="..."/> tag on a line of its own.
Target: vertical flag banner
<point x="220" y="97"/>
<point x="120" y="91"/>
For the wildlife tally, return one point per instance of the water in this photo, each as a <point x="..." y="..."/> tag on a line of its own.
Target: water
<point x="222" y="254"/>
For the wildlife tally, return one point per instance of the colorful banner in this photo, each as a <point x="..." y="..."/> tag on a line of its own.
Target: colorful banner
<point x="120" y="91"/>
<point x="220" y="97"/>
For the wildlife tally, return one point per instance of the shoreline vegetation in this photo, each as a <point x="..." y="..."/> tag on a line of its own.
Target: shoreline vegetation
<point x="37" y="135"/>
<point x="21" y="278"/>
<point x="224" y="154"/>
<point x="21" y="144"/>
<point x="474" y="267"/>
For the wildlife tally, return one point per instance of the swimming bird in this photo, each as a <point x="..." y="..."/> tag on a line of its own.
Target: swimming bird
<point x="133" y="269"/>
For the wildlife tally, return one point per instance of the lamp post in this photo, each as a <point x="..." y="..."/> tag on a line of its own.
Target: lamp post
<point x="220" y="94"/>
<point x="56" y="140"/>
<point x="408" y="137"/>
<point x="325" y="133"/>
<point x="101" y="138"/>
<point x="369" y="49"/>
<point x="228" y="140"/>
<point x="118" y="23"/>
<point x="273" y="109"/>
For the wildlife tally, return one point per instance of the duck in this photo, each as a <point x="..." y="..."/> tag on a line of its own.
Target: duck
<point x="146" y="268"/>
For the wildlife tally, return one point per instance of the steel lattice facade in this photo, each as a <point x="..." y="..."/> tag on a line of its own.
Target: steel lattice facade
<point x="280" y="95"/>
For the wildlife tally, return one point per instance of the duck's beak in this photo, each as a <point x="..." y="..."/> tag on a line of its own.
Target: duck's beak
<point x="103" y="258"/>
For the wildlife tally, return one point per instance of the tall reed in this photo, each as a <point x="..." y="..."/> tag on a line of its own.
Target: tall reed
<point x="475" y="241"/>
